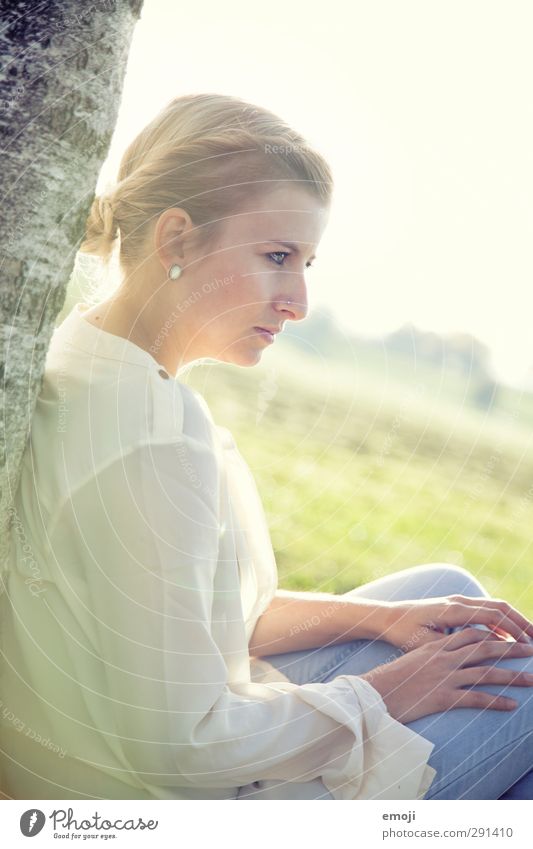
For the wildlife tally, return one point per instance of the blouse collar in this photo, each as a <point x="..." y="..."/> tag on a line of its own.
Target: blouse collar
<point x="97" y="342"/>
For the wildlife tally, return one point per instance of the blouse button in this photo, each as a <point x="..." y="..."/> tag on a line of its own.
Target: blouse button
<point x="163" y="373"/>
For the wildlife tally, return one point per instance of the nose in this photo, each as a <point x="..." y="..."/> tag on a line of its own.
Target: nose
<point x="298" y="307"/>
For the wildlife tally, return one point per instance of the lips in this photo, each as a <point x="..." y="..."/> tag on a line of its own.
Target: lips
<point x="265" y="334"/>
<point x="272" y="330"/>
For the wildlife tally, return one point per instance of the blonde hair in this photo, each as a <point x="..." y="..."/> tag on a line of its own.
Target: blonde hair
<point x="206" y="153"/>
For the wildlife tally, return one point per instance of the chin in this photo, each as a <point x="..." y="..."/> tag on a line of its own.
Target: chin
<point x="248" y="362"/>
<point x="246" y="358"/>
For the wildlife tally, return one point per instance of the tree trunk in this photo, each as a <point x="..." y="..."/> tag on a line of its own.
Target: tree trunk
<point x="61" y="78"/>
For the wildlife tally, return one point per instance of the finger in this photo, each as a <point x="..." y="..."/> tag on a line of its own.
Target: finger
<point x="493" y="649"/>
<point x="525" y="624"/>
<point x="504" y="635"/>
<point x="481" y="700"/>
<point x="521" y="621"/>
<point x="494" y="616"/>
<point x="493" y="675"/>
<point x="460" y="613"/>
<point x="466" y="636"/>
<point x="430" y="635"/>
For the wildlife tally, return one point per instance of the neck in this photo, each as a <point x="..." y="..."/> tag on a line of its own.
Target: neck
<point x="151" y="326"/>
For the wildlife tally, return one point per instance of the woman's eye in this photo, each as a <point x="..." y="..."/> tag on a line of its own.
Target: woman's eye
<point x="278" y="253"/>
<point x="284" y="254"/>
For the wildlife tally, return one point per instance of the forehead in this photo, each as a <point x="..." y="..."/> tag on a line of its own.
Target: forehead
<point x="286" y="213"/>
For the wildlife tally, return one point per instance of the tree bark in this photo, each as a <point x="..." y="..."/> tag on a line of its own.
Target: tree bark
<point x="62" y="71"/>
<point x="61" y="77"/>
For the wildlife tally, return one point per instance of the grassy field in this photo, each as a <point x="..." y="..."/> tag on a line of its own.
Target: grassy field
<point x="362" y="476"/>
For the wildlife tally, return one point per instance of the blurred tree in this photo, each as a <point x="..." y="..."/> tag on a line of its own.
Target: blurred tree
<point x="485" y="394"/>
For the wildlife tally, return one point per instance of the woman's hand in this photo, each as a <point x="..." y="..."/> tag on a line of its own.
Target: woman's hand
<point x="410" y="624"/>
<point x="430" y="678"/>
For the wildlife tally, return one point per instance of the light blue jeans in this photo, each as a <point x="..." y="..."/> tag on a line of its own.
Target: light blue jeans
<point x="479" y="753"/>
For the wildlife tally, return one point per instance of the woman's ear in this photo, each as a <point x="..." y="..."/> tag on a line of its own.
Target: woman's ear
<point x="170" y="236"/>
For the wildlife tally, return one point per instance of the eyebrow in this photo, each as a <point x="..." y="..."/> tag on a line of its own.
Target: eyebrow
<point x="291" y="245"/>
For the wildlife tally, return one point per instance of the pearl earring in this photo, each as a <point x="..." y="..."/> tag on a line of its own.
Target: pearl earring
<point x="174" y="271"/>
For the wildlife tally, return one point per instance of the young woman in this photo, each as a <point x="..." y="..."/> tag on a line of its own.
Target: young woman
<point x="147" y="652"/>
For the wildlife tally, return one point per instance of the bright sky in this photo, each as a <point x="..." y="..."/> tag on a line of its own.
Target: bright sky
<point x="424" y="111"/>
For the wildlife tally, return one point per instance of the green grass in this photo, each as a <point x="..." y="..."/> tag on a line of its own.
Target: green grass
<point x="360" y="480"/>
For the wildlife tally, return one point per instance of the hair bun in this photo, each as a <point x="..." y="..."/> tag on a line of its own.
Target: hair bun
<point x="109" y="226"/>
<point x="101" y="228"/>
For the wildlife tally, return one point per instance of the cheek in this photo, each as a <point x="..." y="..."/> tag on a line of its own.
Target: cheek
<point x="232" y="289"/>
<point x="220" y="304"/>
<point x="234" y="294"/>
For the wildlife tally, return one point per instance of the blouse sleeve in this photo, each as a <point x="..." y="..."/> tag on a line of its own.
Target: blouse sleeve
<point x="149" y="526"/>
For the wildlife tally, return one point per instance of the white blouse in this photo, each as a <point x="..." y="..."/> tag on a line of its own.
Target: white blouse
<point x="141" y="561"/>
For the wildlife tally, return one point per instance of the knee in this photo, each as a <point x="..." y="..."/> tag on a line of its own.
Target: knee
<point x="452" y="579"/>
<point x="448" y="569"/>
